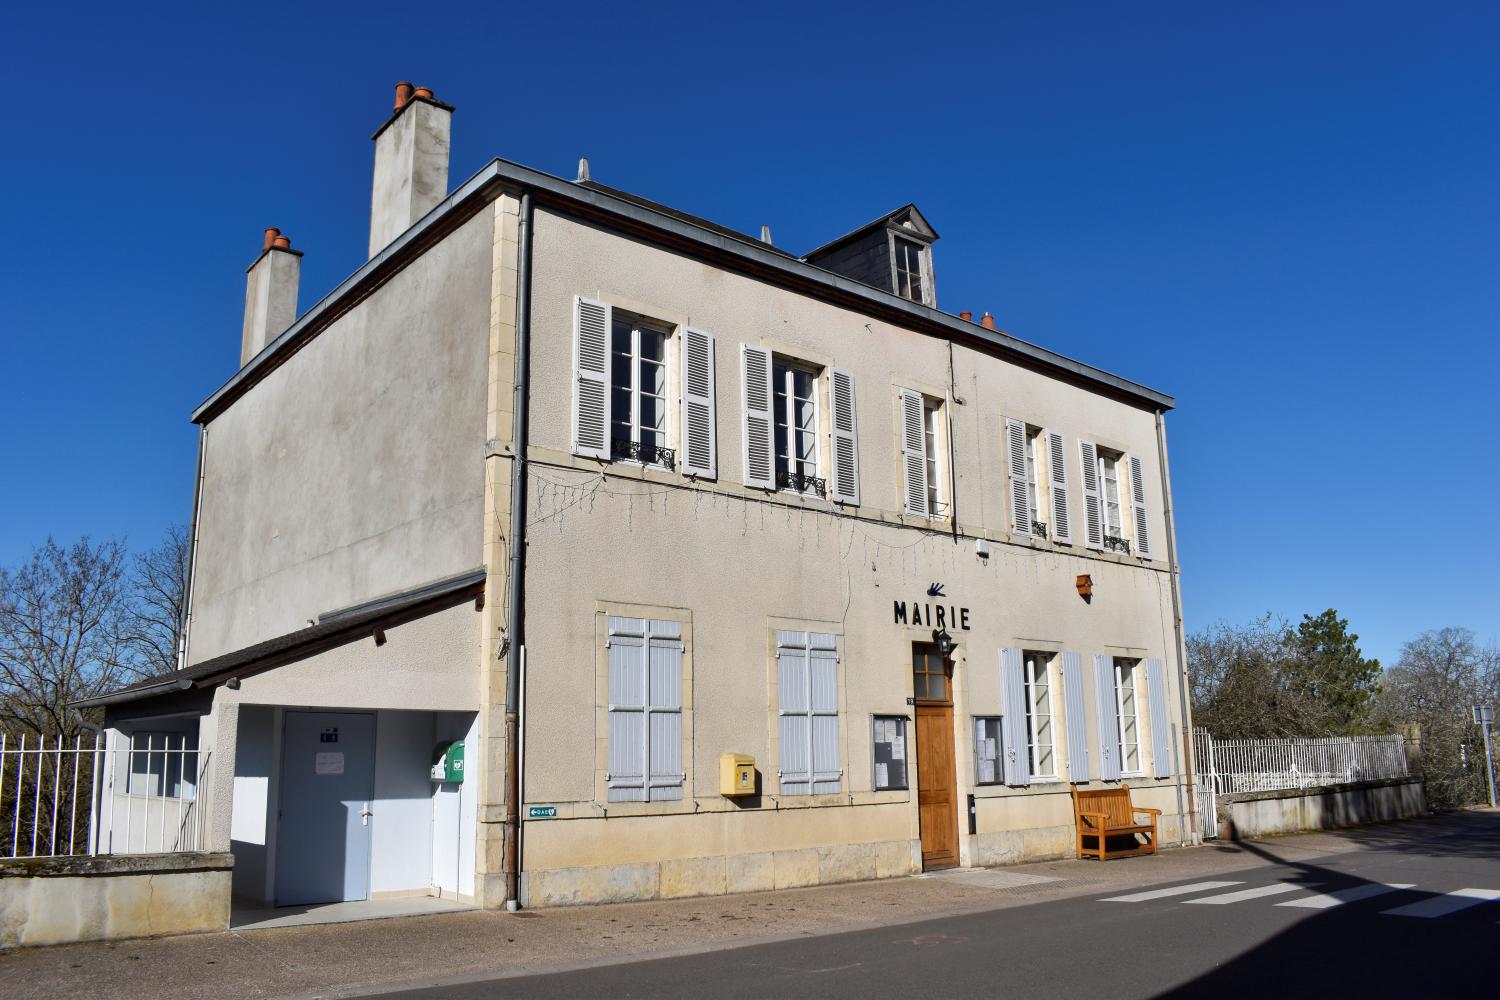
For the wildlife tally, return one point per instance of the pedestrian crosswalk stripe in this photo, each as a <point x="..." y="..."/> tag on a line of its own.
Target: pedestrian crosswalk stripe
<point x="1323" y="901"/>
<point x="1176" y="890"/>
<point x="1441" y="906"/>
<point x="1256" y="893"/>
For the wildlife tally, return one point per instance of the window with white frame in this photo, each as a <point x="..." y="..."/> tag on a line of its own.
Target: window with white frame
<point x="1039" y="738"/>
<point x="934" y="433"/>
<point x="798" y="466"/>
<point x="1109" y="485"/>
<point x="638" y="391"/>
<point x="1128" y="715"/>
<point x="645" y="710"/>
<point x="162" y="765"/>
<point x="909" y="263"/>
<point x="1034" y="461"/>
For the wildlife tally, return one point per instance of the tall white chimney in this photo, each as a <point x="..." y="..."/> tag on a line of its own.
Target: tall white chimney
<point x="411" y="164"/>
<point x="270" y="294"/>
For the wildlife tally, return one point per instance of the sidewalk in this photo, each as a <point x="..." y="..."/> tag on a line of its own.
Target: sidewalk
<point x="350" y="958"/>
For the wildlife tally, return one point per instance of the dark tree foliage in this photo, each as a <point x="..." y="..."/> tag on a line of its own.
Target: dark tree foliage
<point x="1328" y="671"/>
<point x="1439" y="678"/>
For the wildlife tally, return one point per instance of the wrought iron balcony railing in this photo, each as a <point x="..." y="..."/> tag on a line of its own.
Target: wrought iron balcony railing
<point x="786" y="480"/>
<point x="646" y="454"/>
<point x="1114" y="543"/>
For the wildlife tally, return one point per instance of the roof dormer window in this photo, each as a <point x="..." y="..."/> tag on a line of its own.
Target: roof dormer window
<point x="909" y="259"/>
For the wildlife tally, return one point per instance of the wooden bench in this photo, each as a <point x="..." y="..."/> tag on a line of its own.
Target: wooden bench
<point x="1107" y="812"/>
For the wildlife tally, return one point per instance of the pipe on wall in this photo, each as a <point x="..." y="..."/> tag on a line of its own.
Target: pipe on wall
<point x="515" y="585"/>
<point x="1176" y="588"/>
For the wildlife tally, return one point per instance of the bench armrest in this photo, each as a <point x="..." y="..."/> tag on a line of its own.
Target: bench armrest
<point x="1143" y="809"/>
<point x="1100" y="817"/>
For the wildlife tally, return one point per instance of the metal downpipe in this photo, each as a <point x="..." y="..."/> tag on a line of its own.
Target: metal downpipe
<point x="515" y="584"/>
<point x="1175" y="574"/>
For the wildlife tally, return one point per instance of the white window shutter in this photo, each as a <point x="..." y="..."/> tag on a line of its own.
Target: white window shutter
<point x="591" y="326"/>
<point x="1161" y="733"/>
<point x="1138" y="508"/>
<point x="626" y="775"/>
<point x="1108" y="718"/>
<point x="1020" y="491"/>
<point x="700" y="448"/>
<point x="1075" y="706"/>
<point x="823" y="706"/>
<point x="793" y="706"/>
<point x="760" y="428"/>
<point x="914" y="453"/>
<point x="1093" y="506"/>
<point x="845" y="437"/>
<point x="1013" y="726"/>
<point x="664" y="711"/>
<point x="1057" y="487"/>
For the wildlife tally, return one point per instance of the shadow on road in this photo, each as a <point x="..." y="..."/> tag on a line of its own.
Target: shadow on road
<point x="1356" y="949"/>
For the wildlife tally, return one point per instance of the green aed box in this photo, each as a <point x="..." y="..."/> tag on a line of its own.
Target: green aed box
<point x="448" y="762"/>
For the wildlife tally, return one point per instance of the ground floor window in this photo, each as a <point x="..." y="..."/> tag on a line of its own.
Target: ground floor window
<point x="1039" y="738"/>
<point x="1128" y="714"/>
<point x="645" y="710"/>
<point x="807" y="682"/>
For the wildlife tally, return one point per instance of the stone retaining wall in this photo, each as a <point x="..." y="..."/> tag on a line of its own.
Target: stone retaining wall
<point x="62" y="900"/>
<point x="1247" y="815"/>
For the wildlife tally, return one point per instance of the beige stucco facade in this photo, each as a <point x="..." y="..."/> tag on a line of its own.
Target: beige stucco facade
<point x="376" y="453"/>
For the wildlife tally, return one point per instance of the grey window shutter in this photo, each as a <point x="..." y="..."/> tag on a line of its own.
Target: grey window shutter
<point x="1161" y="734"/>
<point x="793" y="698"/>
<point x="1138" y="508"/>
<point x="1078" y="719"/>
<point x="845" y="438"/>
<point x="626" y="776"/>
<point x="913" y="453"/>
<point x="1013" y="727"/>
<point x="1093" y="507"/>
<point x="700" y="448"/>
<point x="1108" y="719"/>
<point x="1057" y="482"/>
<point x="591" y="325"/>
<point x="1020" y="488"/>
<point x="823" y="705"/>
<point x="760" y="442"/>
<point x="664" y="711"/>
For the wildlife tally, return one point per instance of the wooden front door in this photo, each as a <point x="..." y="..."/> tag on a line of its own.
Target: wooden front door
<point x="937" y="778"/>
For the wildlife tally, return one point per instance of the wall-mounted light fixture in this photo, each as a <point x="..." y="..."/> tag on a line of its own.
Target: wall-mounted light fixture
<point x="1085" y="584"/>
<point x="944" y="641"/>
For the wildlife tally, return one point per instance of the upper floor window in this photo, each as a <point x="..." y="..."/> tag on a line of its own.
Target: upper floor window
<point x="1109" y="476"/>
<point x="796" y="416"/>
<point x="909" y="261"/>
<point x="638" y="391"/>
<point x="924" y="447"/>
<point x="1114" y="493"/>
<point x="1038" y="482"/>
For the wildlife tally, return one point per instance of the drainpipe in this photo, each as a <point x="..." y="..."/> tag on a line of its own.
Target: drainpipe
<point x="516" y="583"/>
<point x="1177" y="635"/>
<point x="187" y="603"/>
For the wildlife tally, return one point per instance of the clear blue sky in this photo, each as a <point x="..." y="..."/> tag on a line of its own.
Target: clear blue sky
<point x="1285" y="214"/>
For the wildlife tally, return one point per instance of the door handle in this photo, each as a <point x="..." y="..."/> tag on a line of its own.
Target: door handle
<point x="365" y="814"/>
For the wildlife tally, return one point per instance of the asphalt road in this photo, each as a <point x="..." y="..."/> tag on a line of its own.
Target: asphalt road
<point x="1337" y="926"/>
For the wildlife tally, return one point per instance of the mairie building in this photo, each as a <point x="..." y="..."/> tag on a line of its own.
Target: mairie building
<point x="575" y="549"/>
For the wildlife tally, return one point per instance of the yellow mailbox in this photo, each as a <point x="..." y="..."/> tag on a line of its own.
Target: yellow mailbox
<point x="736" y="774"/>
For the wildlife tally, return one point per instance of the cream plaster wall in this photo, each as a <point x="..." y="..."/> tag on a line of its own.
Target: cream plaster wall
<point x="356" y="468"/>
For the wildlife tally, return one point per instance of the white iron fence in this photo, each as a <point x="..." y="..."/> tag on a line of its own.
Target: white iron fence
<point x="137" y="795"/>
<point x="1229" y="766"/>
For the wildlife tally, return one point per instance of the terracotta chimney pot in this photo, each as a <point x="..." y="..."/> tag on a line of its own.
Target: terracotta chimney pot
<point x="987" y="321"/>
<point x="423" y="92"/>
<point x="403" y="94"/>
<point x="284" y="242"/>
<point x="271" y="233"/>
<point x="966" y="316"/>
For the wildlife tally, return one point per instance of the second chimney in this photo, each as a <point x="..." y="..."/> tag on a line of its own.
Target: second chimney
<point x="270" y="294"/>
<point x="411" y="164"/>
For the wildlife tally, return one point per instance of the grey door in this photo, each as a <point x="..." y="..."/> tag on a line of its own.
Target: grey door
<point x="323" y="836"/>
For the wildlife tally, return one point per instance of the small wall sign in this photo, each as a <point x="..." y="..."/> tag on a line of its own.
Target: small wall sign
<point x="541" y="812"/>
<point x="931" y="615"/>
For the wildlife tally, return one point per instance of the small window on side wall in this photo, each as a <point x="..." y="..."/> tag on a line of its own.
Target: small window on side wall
<point x="987" y="766"/>
<point x="890" y="752"/>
